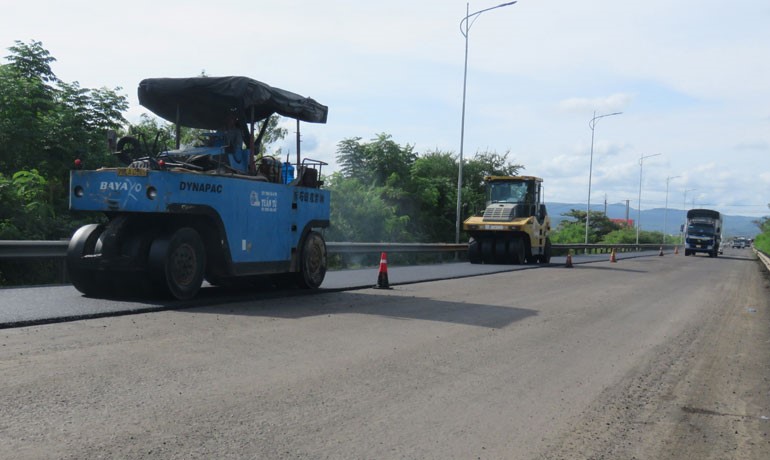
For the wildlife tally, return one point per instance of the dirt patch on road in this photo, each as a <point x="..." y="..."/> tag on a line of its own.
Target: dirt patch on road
<point x="704" y="394"/>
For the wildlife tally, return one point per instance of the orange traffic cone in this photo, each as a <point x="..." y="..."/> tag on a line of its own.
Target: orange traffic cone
<point x="382" y="277"/>
<point x="676" y="250"/>
<point x="613" y="257"/>
<point x="569" y="260"/>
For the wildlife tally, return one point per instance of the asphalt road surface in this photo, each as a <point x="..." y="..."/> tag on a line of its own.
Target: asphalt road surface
<point x="647" y="358"/>
<point x="48" y="304"/>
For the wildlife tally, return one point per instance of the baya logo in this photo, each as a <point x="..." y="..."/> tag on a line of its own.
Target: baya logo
<point x="120" y="186"/>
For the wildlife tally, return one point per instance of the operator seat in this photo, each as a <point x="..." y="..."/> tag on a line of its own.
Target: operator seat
<point x="307" y="177"/>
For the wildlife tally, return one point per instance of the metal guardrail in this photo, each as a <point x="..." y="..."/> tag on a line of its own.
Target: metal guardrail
<point x="13" y="249"/>
<point x="368" y="248"/>
<point x="763" y="257"/>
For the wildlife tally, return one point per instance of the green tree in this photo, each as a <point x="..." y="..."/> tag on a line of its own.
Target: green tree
<point x="481" y="165"/>
<point x="622" y="236"/>
<point x="27" y="210"/>
<point x="360" y="213"/>
<point x="379" y="173"/>
<point x="568" y="233"/>
<point x="45" y="124"/>
<point x="433" y="197"/>
<point x="600" y="225"/>
<point x="32" y="61"/>
<point x="23" y="99"/>
<point x="628" y="236"/>
<point x="379" y="162"/>
<point x="155" y="135"/>
<point x="423" y="190"/>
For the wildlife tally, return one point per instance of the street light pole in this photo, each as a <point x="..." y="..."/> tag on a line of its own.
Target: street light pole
<point x="684" y="209"/>
<point x="592" y="125"/>
<point x="639" y="211"/>
<point x="464" y="30"/>
<point x="665" y="212"/>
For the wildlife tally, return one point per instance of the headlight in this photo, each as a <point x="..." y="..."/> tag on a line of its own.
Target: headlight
<point x="152" y="193"/>
<point x="78" y="191"/>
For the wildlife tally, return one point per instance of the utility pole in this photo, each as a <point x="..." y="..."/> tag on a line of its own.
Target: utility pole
<point x="627" y="210"/>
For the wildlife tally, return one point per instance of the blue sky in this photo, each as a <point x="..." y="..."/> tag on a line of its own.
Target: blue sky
<point x="692" y="79"/>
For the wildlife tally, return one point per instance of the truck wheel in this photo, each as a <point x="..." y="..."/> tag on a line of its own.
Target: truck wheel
<point x="136" y="247"/>
<point x="545" y="257"/>
<point x="474" y="251"/>
<point x="83" y="243"/>
<point x="501" y="254"/>
<point x="177" y="263"/>
<point x="516" y="251"/>
<point x="312" y="266"/>
<point x="487" y="251"/>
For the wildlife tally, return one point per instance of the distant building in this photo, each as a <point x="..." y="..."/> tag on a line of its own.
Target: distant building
<point x="623" y="223"/>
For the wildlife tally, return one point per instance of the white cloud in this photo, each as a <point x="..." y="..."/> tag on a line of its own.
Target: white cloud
<point x="537" y="71"/>
<point x="602" y="105"/>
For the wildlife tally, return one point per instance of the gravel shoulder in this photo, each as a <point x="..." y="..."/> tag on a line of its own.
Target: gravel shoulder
<point x="704" y="394"/>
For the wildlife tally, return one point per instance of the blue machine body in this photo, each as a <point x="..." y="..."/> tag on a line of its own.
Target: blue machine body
<point x="220" y="210"/>
<point x="261" y="221"/>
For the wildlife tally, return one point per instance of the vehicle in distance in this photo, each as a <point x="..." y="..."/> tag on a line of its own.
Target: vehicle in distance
<point x="703" y="232"/>
<point x="514" y="227"/>
<point x="217" y="210"/>
<point x="740" y="243"/>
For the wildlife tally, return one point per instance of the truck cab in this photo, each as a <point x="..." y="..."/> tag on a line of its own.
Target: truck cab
<point x="703" y="232"/>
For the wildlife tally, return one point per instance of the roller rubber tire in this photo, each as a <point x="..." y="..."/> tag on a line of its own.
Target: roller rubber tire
<point x="501" y="253"/>
<point x="487" y="251"/>
<point x="313" y="262"/>
<point x="516" y="251"/>
<point x="83" y="243"/>
<point x="178" y="262"/>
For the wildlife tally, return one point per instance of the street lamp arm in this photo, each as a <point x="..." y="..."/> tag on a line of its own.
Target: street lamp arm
<point x="641" y="159"/>
<point x="594" y="120"/>
<point x="465" y="19"/>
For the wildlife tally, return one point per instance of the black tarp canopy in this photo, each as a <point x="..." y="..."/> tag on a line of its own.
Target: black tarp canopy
<point x="205" y="102"/>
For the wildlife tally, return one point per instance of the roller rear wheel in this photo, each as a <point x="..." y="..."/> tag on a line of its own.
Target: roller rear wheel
<point x="85" y="242"/>
<point x="516" y="251"/>
<point x="312" y="267"/>
<point x="487" y="250"/>
<point x="177" y="263"/>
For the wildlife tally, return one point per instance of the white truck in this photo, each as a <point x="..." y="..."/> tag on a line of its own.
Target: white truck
<point x="703" y="232"/>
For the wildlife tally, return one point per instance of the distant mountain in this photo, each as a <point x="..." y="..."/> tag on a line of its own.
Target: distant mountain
<point x="653" y="219"/>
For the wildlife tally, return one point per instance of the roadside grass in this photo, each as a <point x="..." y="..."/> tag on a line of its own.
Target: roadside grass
<point x="762" y="242"/>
